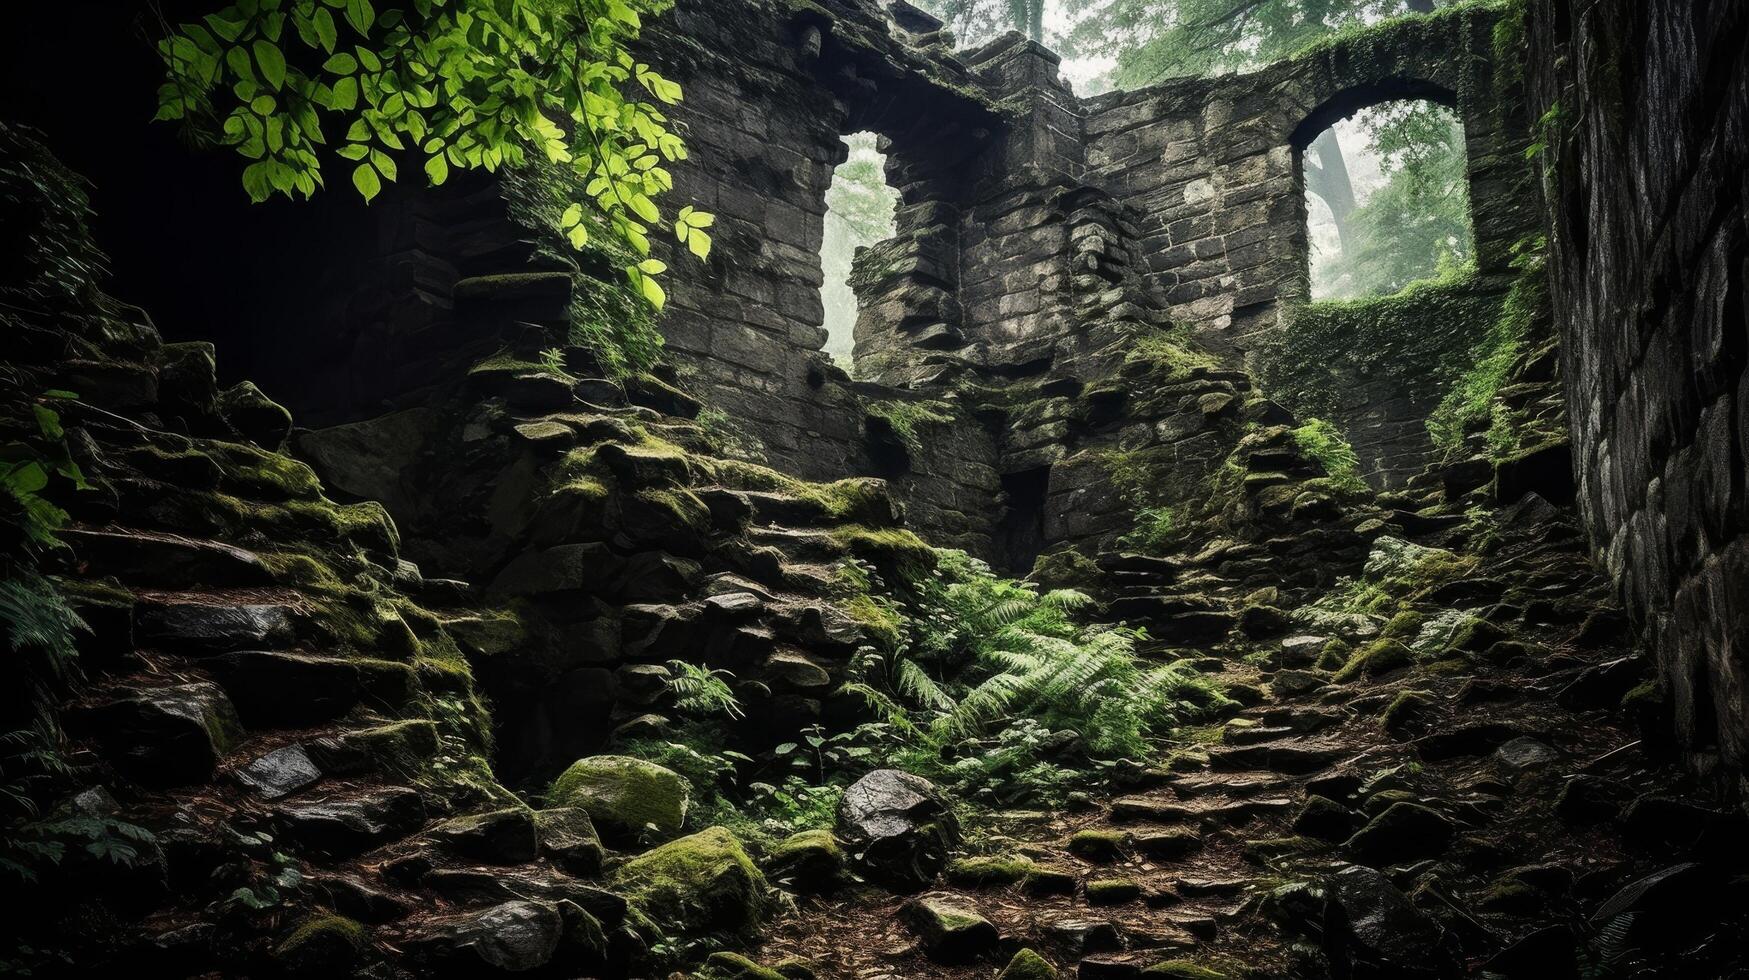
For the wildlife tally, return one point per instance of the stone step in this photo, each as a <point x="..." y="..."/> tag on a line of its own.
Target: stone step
<point x="166" y="560"/>
<point x="392" y="748"/>
<point x="799" y="545"/>
<point x="162" y="736"/>
<point x="287" y="689"/>
<point x="347" y="822"/>
<point x="1292" y="758"/>
<point x="198" y="627"/>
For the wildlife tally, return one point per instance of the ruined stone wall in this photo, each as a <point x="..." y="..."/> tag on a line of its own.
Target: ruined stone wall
<point x="1213" y="165"/>
<point x="1648" y="161"/>
<point x="1039" y="235"/>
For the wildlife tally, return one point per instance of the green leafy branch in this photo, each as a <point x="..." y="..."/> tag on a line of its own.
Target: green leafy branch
<point x="461" y="84"/>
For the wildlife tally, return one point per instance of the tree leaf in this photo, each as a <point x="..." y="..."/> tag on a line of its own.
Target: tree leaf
<point x="365" y="179"/>
<point x="360" y="15"/>
<point x="271" y="60"/>
<point x="326" y="33"/>
<point x="437" y="169"/>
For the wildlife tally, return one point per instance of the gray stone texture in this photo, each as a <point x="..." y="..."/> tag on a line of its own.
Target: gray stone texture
<point x="1650" y="172"/>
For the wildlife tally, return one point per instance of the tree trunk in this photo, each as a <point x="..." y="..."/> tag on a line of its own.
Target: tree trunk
<point x="1419" y="6"/>
<point x="1329" y="180"/>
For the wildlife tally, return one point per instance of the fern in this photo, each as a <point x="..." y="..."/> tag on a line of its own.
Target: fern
<point x="702" y="691"/>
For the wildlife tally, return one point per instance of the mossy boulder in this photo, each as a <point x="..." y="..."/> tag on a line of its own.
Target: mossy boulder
<point x="811" y="861"/>
<point x="1113" y="891"/>
<point x="567" y="837"/>
<point x="1404" y="625"/>
<point x="1028" y="965"/>
<point x="257" y="417"/>
<point x="950" y="931"/>
<point x="1407" y="713"/>
<point x="1477" y="635"/>
<point x="1095" y="844"/>
<point x="734" y="966"/>
<point x="626" y="798"/>
<point x="1182" y="970"/>
<point x="989" y="871"/>
<point x="697" y="884"/>
<point x="1326" y="820"/>
<point x="1402" y="832"/>
<point x="321" y="946"/>
<point x="1375" y="659"/>
<point x="1334" y="655"/>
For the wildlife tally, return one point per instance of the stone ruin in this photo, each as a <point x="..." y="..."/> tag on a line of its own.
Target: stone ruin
<point x="1037" y="232"/>
<point x="487" y="528"/>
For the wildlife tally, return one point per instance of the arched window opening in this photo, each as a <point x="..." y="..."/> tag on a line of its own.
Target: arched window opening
<point x="859" y="213"/>
<point x="1387" y="200"/>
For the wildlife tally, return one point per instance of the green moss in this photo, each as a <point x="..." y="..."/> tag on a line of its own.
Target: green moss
<point x="1422" y="336"/>
<point x="895" y="549"/>
<point x="1404" y="710"/>
<point x="1376" y="658"/>
<point x="907" y="418"/>
<point x="303" y="571"/>
<point x="1275" y="848"/>
<point x="323" y="945"/>
<point x="733" y="966"/>
<point x="702" y="883"/>
<point x="812" y="860"/>
<point x="1182" y="970"/>
<point x="1171" y="353"/>
<point x="1476" y="635"/>
<point x="606" y="314"/>
<point x="1644" y="694"/>
<point x="1470" y="402"/>
<point x="987" y="872"/>
<point x="1064" y="569"/>
<point x="1325" y="443"/>
<point x="1334" y="654"/>
<point x="625" y="797"/>
<point x="1113" y="891"/>
<point x="1028" y="965"/>
<point x="255" y="470"/>
<point x="1097" y="844"/>
<point x="1404" y="625"/>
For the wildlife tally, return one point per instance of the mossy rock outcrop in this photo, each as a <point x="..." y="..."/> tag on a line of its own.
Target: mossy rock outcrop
<point x="697" y="884"/>
<point x="734" y="966"/>
<point x="624" y="797"/>
<point x="1028" y="965"/>
<point x="321" y="946"/>
<point x="811" y="861"/>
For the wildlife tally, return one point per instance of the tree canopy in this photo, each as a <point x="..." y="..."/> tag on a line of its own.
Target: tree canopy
<point x="978" y="20"/>
<point x="298" y="86"/>
<point x="1153" y="40"/>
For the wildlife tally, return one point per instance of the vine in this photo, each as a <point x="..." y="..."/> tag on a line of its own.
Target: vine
<point x="466" y="84"/>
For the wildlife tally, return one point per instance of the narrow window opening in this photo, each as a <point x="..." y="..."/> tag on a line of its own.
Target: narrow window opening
<point x="859" y="213"/>
<point x="1387" y="200"/>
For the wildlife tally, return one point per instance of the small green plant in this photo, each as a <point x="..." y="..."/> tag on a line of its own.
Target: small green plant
<point x="1470" y="401"/>
<point x="1153" y="530"/>
<point x="1325" y="443"/>
<point x="702" y="691"/>
<point x="906" y="418"/>
<point x="553" y="359"/>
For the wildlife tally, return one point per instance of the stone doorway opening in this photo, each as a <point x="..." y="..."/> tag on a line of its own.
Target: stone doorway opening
<point x="859" y="212"/>
<point x="1020" y="533"/>
<point x="1387" y="200"/>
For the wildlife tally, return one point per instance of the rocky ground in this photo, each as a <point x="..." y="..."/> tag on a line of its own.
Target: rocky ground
<point x="284" y="748"/>
<point x="1447" y="767"/>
